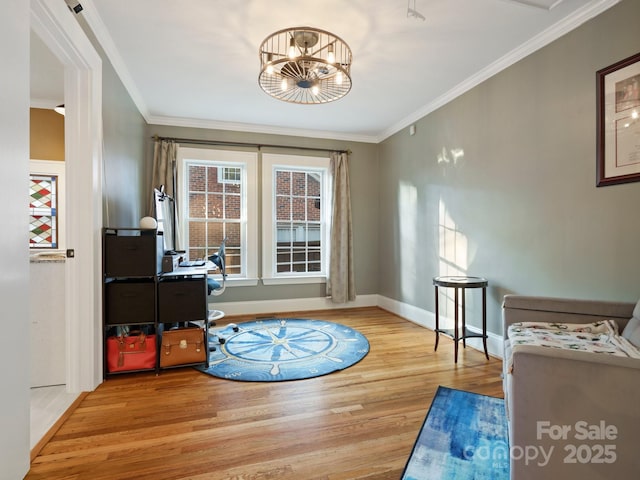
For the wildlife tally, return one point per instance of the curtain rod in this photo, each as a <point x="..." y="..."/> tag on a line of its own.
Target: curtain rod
<point x="194" y="141"/>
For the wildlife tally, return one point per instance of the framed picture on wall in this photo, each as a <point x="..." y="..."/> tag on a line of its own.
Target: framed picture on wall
<point x="618" y="122"/>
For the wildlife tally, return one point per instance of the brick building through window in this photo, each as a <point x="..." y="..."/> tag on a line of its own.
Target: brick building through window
<point x="214" y="212"/>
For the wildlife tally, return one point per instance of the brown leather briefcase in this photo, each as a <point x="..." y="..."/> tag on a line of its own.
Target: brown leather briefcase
<point x="183" y="346"/>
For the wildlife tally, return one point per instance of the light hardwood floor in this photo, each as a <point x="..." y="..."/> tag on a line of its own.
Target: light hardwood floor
<point x="360" y="423"/>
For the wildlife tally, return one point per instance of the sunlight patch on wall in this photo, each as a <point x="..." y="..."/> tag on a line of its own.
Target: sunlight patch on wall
<point x="408" y="226"/>
<point x="453" y="245"/>
<point x="450" y="156"/>
<point x="453" y="256"/>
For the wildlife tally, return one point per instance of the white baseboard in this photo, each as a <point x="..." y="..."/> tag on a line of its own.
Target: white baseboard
<point x="412" y="313"/>
<point x="427" y="319"/>
<point x="290" y="305"/>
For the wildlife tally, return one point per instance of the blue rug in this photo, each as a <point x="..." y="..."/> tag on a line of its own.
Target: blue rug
<point x="464" y="437"/>
<point x="285" y="349"/>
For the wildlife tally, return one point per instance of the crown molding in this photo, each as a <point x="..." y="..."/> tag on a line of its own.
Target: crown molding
<point x="564" y="26"/>
<point x="254" y="128"/>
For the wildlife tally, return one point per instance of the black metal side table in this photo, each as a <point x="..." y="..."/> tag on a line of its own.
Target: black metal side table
<point x="461" y="283"/>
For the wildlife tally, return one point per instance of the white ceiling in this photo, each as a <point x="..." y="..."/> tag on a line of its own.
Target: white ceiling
<point x="195" y="62"/>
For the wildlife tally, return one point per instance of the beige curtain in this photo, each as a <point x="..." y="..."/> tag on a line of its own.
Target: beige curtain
<point x="165" y="153"/>
<point x="341" y="281"/>
<point x="164" y="168"/>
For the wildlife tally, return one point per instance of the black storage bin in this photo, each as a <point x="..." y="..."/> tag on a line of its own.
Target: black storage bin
<point x="182" y="300"/>
<point x="130" y="302"/>
<point x="132" y="253"/>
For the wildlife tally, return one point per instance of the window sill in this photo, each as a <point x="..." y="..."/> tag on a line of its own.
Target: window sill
<point x="293" y="280"/>
<point x="238" y="282"/>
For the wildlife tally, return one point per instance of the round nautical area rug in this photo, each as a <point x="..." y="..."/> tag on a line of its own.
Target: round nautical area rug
<point x="281" y="349"/>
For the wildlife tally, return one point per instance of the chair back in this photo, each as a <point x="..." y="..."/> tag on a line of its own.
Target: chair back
<point x="219" y="259"/>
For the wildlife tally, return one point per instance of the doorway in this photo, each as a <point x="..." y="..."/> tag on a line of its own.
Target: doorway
<point x="55" y="25"/>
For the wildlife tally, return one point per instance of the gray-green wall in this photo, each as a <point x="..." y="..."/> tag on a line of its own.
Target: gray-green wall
<point x="363" y="169"/>
<point x="500" y="183"/>
<point x="125" y="169"/>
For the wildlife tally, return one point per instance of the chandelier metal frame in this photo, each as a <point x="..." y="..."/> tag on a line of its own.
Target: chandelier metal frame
<point x="305" y="65"/>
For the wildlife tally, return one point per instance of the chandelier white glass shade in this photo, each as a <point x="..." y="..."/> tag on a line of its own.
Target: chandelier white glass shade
<point x="305" y="65"/>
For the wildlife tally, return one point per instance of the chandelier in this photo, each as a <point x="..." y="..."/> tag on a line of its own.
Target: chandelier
<point x="305" y="65"/>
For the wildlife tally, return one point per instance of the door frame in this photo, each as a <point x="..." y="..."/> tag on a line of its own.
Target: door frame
<point x="53" y="22"/>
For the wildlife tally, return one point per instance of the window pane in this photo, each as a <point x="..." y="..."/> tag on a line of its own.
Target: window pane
<point x="232" y="207"/>
<point x="196" y="253"/>
<point x="197" y="207"/>
<point x="313" y="185"/>
<point x="283" y="182"/>
<point x="315" y="267"/>
<point x="231" y="174"/>
<point x="283" y="208"/>
<point x="214" y="182"/>
<point x="232" y="188"/>
<point x="197" y="234"/>
<point x="215" y="235"/>
<point x="296" y="194"/>
<point x="298" y="183"/>
<point x="197" y="178"/>
<point x="43" y="209"/>
<point x="217" y="213"/>
<point x="313" y="209"/>
<point x="299" y="255"/>
<point x="298" y="210"/>
<point x="298" y="222"/>
<point x="233" y="235"/>
<point x="216" y="232"/>
<point x="215" y="205"/>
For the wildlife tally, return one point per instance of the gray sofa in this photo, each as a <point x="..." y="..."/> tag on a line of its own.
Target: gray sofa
<point x="572" y="414"/>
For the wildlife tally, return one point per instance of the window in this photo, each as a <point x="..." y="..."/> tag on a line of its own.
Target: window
<point x="46" y="202"/>
<point x="297" y="214"/>
<point x="296" y="205"/>
<point x="218" y="198"/>
<point x="229" y="175"/>
<point x="218" y="201"/>
<point x="43" y="211"/>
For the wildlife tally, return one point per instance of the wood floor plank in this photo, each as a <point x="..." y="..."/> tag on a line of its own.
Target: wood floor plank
<point x="360" y="423"/>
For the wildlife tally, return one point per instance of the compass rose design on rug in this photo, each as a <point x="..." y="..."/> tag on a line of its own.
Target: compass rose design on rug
<point x="285" y="349"/>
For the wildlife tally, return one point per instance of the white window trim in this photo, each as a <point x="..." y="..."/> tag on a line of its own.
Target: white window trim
<point x="53" y="167"/>
<point x="270" y="162"/>
<point x="250" y="161"/>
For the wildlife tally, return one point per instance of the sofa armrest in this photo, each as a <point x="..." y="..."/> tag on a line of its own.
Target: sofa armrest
<point x="523" y="308"/>
<point x="572" y="390"/>
<point x="589" y="361"/>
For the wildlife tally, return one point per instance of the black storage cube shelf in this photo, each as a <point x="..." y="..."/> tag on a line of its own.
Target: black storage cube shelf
<point x="136" y="294"/>
<point x="130" y="302"/>
<point x="132" y="253"/>
<point x="182" y="300"/>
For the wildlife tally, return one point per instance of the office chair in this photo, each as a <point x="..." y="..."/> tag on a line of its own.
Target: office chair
<point x="216" y="288"/>
<point x="219" y="260"/>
